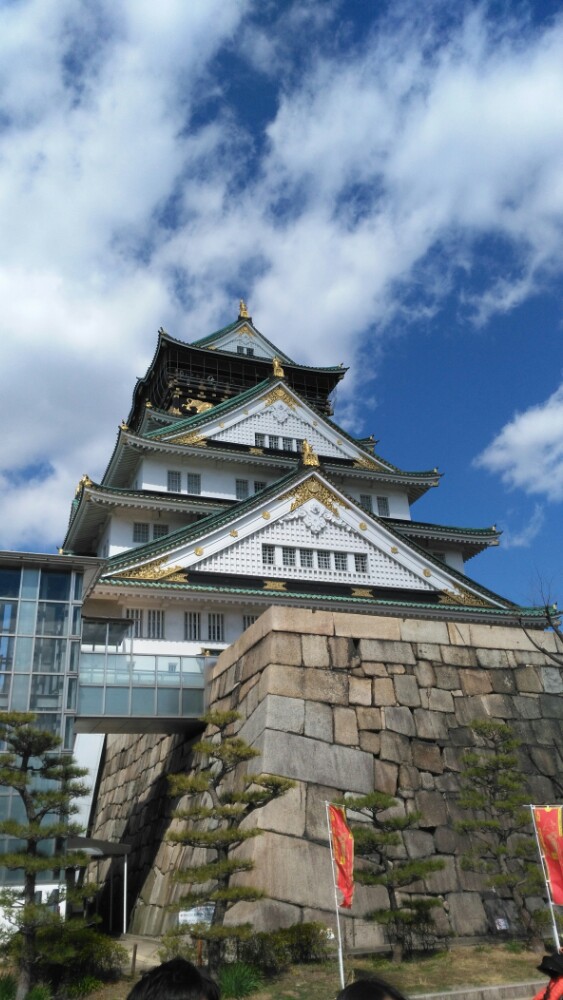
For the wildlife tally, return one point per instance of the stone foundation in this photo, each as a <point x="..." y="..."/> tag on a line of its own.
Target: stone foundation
<point x="340" y="703"/>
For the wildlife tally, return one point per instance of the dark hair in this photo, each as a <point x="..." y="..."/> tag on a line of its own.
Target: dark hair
<point x="370" y="989"/>
<point x="175" y="980"/>
<point x="552" y="965"/>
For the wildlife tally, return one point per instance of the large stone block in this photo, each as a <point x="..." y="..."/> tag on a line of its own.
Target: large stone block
<point x="399" y="720"/>
<point x="298" y="620"/>
<point x="320" y="763"/>
<point x="440" y="701"/>
<point x="345" y="726"/>
<point x="274" y="712"/>
<point x="418" y="843"/>
<point x="284" y="815"/>
<point x="383" y="691"/>
<point x="386" y="776"/>
<point x="475" y="682"/>
<point x="413" y="630"/>
<point x="552" y="679"/>
<point x="432" y="807"/>
<point x="527" y="680"/>
<point x="459" y="656"/>
<point x="427" y="757"/>
<point x="527" y="707"/>
<point x="406" y="691"/>
<point x="395" y="747"/>
<point x="447" y="678"/>
<point x="428" y="651"/>
<point x="385" y="651"/>
<point x="430" y="725"/>
<point x="467" y="913"/>
<point x="315" y="651"/>
<point x="360" y="691"/>
<point x="326" y="685"/>
<point x="493" y="658"/>
<point x="367" y="627"/>
<point x="264" y="915"/>
<point x="369" y="718"/>
<point x="286" y="681"/>
<point x="318" y="721"/>
<point x="289" y="869"/>
<point x="371" y="742"/>
<point x="342" y="654"/>
<point x="425" y="674"/>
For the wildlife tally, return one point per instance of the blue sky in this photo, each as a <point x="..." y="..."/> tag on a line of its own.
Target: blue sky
<point x="382" y="182"/>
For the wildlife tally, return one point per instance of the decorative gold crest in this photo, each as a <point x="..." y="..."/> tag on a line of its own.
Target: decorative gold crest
<point x="361" y="592"/>
<point x="234" y="533"/>
<point x="193" y="439"/>
<point x="256" y="451"/>
<point x="277" y="366"/>
<point x="394" y="550"/>
<point x="309" y="456"/>
<point x="366" y="463"/>
<point x="155" y="570"/>
<point x="312" y="489"/>
<point x="197" y="404"/>
<point x="274" y="584"/>
<point x="82" y="482"/>
<point x="463" y="597"/>
<point x="199" y="551"/>
<point x="362" y="526"/>
<point x="426" y="572"/>
<point x="266" y="515"/>
<point x="280" y="393"/>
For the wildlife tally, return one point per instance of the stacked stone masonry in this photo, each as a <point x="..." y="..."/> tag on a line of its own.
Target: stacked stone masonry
<point x="344" y="703"/>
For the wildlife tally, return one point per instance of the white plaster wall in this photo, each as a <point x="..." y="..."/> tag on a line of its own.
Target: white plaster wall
<point x="283" y="422"/>
<point x="174" y="643"/>
<point x="121" y="527"/>
<point x="455" y="560"/>
<point x="398" y="501"/>
<point x="233" y="340"/>
<point x="216" y="481"/>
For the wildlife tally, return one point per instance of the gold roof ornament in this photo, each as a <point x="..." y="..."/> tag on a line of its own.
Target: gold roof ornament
<point x="243" y="310"/>
<point x="148" y="404"/>
<point x="309" y="456"/>
<point x="82" y="482"/>
<point x="124" y="425"/>
<point x="278" y="370"/>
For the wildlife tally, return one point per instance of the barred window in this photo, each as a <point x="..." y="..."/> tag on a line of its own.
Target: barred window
<point x="155" y="624"/>
<point x="241" y="489"/>
<point x="250" y="352"/>
<point x="365" y="500"/>
<point x="259" y="486"/>
<point x="383" y="506"/>
<point x="268" y="555"/>
<point x="288" y="444"/>
<point x="323" y="559"/>
<point x="194" y="483"/>
<point x="192" y="626"/>
<point x="174" y="481"/>
<point x="273" y="441"/>
<point x="260" y="440"/>
<point x="306" y="558"/>
<point x="361" y="562"/>
<point x="248" y="620"/>
<point x="340" y="560"/>
<point x="159" y="530"/>
<point x="136" y="616"/>
<point x="215" y="627"/>
<point x="240" y="349"/>
<point x="288" y="556"/>
<point x="140" y="532"/>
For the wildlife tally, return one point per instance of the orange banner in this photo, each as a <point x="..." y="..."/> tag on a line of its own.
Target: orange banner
<point x="343" y="853"/>
<point x="549" y="824"/>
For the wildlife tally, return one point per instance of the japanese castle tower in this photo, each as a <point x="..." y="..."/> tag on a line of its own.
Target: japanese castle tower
<point x="230" y="489"/>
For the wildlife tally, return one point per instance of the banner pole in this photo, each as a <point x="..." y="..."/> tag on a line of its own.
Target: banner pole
<point x="547" y="883"/>
<point x="339" y="933"/>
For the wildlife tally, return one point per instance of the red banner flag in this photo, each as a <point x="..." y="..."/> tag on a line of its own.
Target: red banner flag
<point x="549" y="824"/>
<point x="343" y="853"/>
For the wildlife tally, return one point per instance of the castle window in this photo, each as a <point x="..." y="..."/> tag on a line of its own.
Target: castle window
<point x="241" y="489"/>
<point x="273" y="441"/>
<point x="260" y="440"/>
<point x="240" y="349"/>
<point x="159" y="530"/>
<point x="288" y="556"/>
<point x="194" y="483"/>
<point x="140" y="533"/>
<point x="323" y="560"/>
<point x="192" y="626"/>
<point x="174" y="481"/>
<point x="268" y="555"/>
<point x="248" y="620"/>
<point x="259" y="486"/>
<point x="361" y="562"/>
<point x="288" y="444"/>
<point x="155" y="624"/>
<point x="136" y="616"/>
<point x="365" y="500"/>
<point x="341" y="560"/>
<point x="383" y="506"/>
<point x="215" y="627"/>
<point x="306" y="558"/>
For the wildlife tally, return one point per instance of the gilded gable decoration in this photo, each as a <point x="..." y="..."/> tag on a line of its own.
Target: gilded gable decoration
<point x="313" y="489"/>
<point x="280" y="411"/>
<point x="277" y="366"/>
<point x="197" y="404"/>
<point x="280" y="393"/>
<point x="316" y="518"/>
<point x="464" y="597"/>
<point x="155" y="570"/>
<point x="310" y="457"/>
<point x="365" y="463"/>
<point x="82" y="482"/>
<point x="194" y="439"/>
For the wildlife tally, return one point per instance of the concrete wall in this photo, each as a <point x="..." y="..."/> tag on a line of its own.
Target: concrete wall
<point x="345" y="703"/>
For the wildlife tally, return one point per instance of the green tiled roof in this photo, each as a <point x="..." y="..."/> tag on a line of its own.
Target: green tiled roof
<point x="205" y="341"/>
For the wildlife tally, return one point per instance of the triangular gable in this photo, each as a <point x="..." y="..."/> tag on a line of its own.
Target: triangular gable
<point x="242" y="338"/>
<point x="308" y="514"/>
<point x="274" y="411"/>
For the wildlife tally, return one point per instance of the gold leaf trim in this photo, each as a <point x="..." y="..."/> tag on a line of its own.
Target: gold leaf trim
<point x="234" y="533"/>
<point x="256" y="451"/>
<point x="199" y="551"/>
<point x="464" y="597"/>
<point x="365" y="463"/>
<point x="274" y="584"/>
<point x="155" y="570"/>
<point x="312" y="489"/>
<point x="426" y="572"/>
<point x="266" y="515"/>
<point x="280" y="393"/>
<point x="197" y="404"/>
<point x="394" y="550"/>
<point x="361" y="592"/>
<point x="193" y="439"/>
<point x="363" y="526"/>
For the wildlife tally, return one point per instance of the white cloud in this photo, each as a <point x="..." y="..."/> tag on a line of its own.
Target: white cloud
<point x="528" y="451"/>
<point x="376" y="155"/>
<point x="522" y="538"/>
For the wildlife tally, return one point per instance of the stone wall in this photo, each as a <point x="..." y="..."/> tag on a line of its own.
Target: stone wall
<point x="342" y="703"/>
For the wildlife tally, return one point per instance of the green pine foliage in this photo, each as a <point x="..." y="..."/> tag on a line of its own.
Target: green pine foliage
<point x="498" y="823"/>
<point x="221" y="794"/>
<point x="378" y="846"/>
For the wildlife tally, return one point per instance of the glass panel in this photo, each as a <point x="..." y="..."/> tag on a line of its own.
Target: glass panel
<point x="118" y="669"/>
<point x="46" y="692"/>
<point x="5" y="684"/>
<point x="27" y="617"/>
<point x="24" y="653"/>
<point x="9" y="582"/>
<point x="90" y="700"/>
<point x="168" y="668"/>
<point x="8" y="613"/>
<point x="192" y="703"/>
<point x="49" y="721"/>
<point x="76" y="619"/>
<point x="118" y="631"/>
<point x="71" y="693"/>
<point x="52" y="619"/>
<point x="117" y="701"/>
<point x="30" y="584"/>
<point x="20" y="693"/>
<point x="94" y="633"/>
<point x="167" y="702"/>
<point x="77" y="595"/>
<point x="193" y="680"/>
<point x="193" y="664"/>
<point x="6" y="652"/>
<point x="73" y="659"/>
<point x="49" y="656"/>
<point x="55" y="585"/>
<point x="69" y="733"/>
<point x="144" y="669"/>
<point x="92" y="668"/>
<point x="142" y="701"/>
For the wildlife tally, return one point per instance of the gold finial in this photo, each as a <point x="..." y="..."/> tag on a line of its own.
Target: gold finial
<point x="309" y="456"/>
<point x="61" y="550"/>
<point x="243" y="310"/>
<point x="148" y="404"/>
<point x="278" y="370"/>
<point x="82" y="482"/>
<point x="124" y="426"/>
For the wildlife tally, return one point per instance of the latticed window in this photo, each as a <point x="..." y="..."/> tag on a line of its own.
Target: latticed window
<point x="159" y="530"/>
<point x="240" y="349"/>
<point x="361" y="562"/>
<point x="323" y="560"/>
<point x="365" y="500"/>
<point x="273" y="441"/>
<point x="383" y="506"/>
<point x="259" y="486"/>
<point x="174" y="481"/>
<point x="260" y="440"/>
<point x="241" y="489"/>
<point x="194" y="482"/>
<point x="340" y="560"/>
<point x="288" y="444"/>
<point x="306" y="558"/>
<point x="248" y="620"/>
<point x="268" y="555"/>
<point x="192" y="626"/>
<point x="215" y="627"/>
<point x="155" y="624"/>
<point x="136" y="616"/>
<point x="140" y="532"/>
<point x="288" y="556"/>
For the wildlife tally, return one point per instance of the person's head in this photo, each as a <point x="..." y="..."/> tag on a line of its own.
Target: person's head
<point x="370" y="989"/>
<point x="552" y="965"/>
<point x="175" y="980"/>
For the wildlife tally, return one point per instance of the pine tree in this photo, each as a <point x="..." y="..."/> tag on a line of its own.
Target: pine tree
<point x="47" y="781"/>
<point x="498" y="823"/>
<point x="378" y="842"/>
<point x="222" y="793"/>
